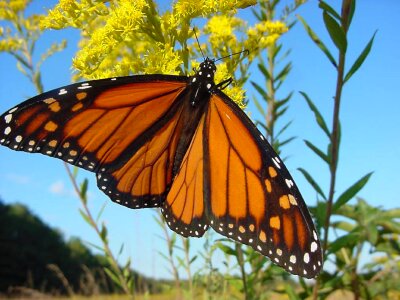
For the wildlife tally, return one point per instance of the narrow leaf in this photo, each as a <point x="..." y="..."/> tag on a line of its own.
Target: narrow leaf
<point x="112" y="276"/>
<point x="259" y="106"/>
<point x="101" y="211"/>
<point x="103" y="233"/>
<point x="283" y="73"/>
<point x="291" y="293"/>
<point x="286" y="141"/>
<point x="260" y="90"/>
<point x="284" y="128"/>
<point x="317" y="151"/>
<point x="320" y="120"/>
<point x="352" y="9"/>
<point x="347" y="241"/>
<point x="85" y="217"/>
<point x="323" y="5"/>
<point x="336" y="32"/>
<point x="317" y="41"/>
<point x="83" y="190"/>
<point x="360" y="60"/>
<point x="313" y="183"/>
<point x="351" y="192"/>
<point x="226" y="249"/>
<point x="264" y="70"/>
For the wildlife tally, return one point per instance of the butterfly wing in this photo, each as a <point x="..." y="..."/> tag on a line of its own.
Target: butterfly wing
<point x="250" y="195"/>
<point x="125" y="129"/>
<point x="184" y="209"/>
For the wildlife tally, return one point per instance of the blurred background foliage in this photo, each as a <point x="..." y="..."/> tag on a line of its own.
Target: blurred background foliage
<point x="124" y="37"/>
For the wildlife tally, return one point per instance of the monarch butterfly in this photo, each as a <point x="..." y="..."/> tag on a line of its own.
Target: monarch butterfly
<point x="178" y="143"/>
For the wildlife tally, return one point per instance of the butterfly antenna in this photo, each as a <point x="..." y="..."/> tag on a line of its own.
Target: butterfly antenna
<point x="198" y="43"/>
<point x="233" y="54"/>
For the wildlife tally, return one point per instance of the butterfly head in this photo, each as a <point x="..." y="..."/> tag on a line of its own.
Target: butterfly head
<point x="206" y="71"/>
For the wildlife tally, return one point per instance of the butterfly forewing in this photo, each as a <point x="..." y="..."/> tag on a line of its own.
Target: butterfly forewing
<point x="120" y="128"/>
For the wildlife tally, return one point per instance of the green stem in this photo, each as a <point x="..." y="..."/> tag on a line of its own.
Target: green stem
<point x="107" y="250"/>
<point x="334" y="137"/>
<point x="240" y="260"/>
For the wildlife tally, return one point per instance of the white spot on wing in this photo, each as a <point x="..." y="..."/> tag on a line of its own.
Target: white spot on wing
<point x="7" y="130"/>
<point x="289" y="183"/>
<point x="8" y="118"/>
<point x="209" y="85"/>
<point x="276" y="162"/>
<point x="18" y="138"/>
<point x="84" y="86"/>
<point x="12" y="110"/>
<point x="292" y="259"/>
<point x="314" y="246"/>
<point x="306" y="258"/>
<point x="62" y="92"/>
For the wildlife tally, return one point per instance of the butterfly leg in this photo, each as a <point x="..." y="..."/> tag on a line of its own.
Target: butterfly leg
<point x="224" y="84"/>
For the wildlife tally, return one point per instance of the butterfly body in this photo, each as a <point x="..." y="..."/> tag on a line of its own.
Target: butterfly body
<point x="178" y="143"/>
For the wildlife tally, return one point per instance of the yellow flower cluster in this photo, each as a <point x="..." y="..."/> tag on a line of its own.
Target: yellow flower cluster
<point x="194" y="8"/>
<point x="71" y="13"/>
<point x="235" y="92"/>
<point x="221" y="29"/>
<point x="120" y="25"/>
<point x="265" y="34"/>
<point x="162" y="60"/>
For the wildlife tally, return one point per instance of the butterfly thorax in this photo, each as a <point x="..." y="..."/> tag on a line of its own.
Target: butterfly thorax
<point x="202" y="82"/>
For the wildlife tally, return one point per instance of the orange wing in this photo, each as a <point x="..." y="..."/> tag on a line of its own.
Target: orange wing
<point x="184" y="207"/>
<point x="251" y="196"/>
<point x="97" y="125"/>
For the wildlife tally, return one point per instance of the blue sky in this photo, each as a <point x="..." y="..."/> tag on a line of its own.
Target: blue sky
<point x="369" y="116"/>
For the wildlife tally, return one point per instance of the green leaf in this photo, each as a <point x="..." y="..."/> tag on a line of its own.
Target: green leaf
<point x="283" y="73"/>
<point x="260" y="90"/>
<point x="264" y="70"/>
<point x="318" y="117"/>
<point x="75" y="171"/>
<point x="346" y="241"/>
<point x="279" y="103"/>
<point x="101" y="211"/>
<point x="112" y="276"/>
<point x="226" y="249"/>
<point x="283" y="129"/>
<point x="291" y="293"/>
<point x="372" y="232"/>
<point x="284" y="142"/>
<point x="85" y="217"/>
<point x="83" y="190"/>
<point x="317" y="151"/>
<point x="360" y="60"/>
<point x="103" y="233"/>
<point x="329" y="9"/>
<point x="352" y="10"/>
<point x="280" y="113"/>
<point x="259" y="106"/>
<point x="351" y="192"/>
<point x="317" y="41"/>
<point x="193" y="259"/>
<point x="96" y="247"/>
<point x="313" y="183"/>
<point x="276" y="50"/>
<point x="336" y="32"/>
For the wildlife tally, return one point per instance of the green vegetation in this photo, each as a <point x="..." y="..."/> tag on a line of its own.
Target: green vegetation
<point x="36" y="257"/>
<point x="132" y="37"/>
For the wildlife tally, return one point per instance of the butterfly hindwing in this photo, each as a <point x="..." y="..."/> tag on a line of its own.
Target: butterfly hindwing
<point x="252" y="197"/>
